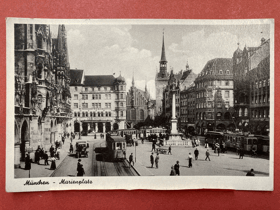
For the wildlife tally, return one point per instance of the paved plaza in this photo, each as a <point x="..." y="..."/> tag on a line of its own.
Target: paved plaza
<point x="227" y="164"/>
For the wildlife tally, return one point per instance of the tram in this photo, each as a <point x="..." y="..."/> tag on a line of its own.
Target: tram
<point x="150" y="131"/>
<point x="235" y="141"/>
<point x="130" y="131"/>
<point x="116" y="147"/>
<point x="263" y="144"/>
<point x="214" y="137"/>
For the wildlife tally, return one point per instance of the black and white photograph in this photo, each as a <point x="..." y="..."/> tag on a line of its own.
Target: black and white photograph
<point x="139" y="104"/>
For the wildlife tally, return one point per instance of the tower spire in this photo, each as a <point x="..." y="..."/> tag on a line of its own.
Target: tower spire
<point x="133" y="79"/>
<point x="146" y="85"/>
<point x="163" y="57"/>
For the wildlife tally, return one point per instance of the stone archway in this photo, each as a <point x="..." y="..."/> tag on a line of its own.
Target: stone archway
<point x="24" y="138"/>
<point x="76" y="127"/>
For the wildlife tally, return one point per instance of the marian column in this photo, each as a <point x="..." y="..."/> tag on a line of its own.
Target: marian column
<point x="173" y="120"/>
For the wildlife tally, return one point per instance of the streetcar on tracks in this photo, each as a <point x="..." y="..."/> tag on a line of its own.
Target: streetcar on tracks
<point x="214" y="137"/>
<point x="115" y="147"/>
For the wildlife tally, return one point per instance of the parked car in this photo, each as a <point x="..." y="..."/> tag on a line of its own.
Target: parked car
<point x="81" y="149"/>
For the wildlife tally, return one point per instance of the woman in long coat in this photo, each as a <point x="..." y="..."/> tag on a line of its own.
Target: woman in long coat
<point x="190" y="160"/>
<point x="81" y="170"/>
<point x="53" y="165"/>
<point x="157" y="160"/>
<point x="27" y="162"/>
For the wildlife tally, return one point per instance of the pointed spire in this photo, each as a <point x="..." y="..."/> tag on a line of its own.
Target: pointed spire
<point x="163" y="57"/>
<point x="133" y="79"/>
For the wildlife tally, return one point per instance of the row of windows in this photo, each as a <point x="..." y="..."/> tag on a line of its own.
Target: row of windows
<point x="212" y="83"/>
<point x="187" y="103"/>
<point x="210" y="115"/>
<point x="93" y="105"/>
<point x="221" y="72"/>
<point x="98" y="96"/>
<point x="211" y="105"/>
<point x="92" y="114"/>
<point x="260" y="99"/>
<point x="88" y="89"/>
<point x="263" y="113"/>
<point x="260" y="84"/>
<point x="210" y="94"/>
<point x="97" y="114"/>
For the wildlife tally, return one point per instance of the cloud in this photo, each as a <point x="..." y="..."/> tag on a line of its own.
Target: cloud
<point x="197" y="48"/>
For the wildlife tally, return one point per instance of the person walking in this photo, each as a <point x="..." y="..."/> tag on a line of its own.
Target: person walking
<point x="52" y="151"/>
<point x="124" y="154"/>
<point x="53" y="164"/>
<point x="241" y="154"/>
<point x="79" y="164"/>
<point x="153" y="147"/>
<point x="27" y="162"/>
<point x="37" y="157"/>
<point x="172" y="172"/>
<point x="71" y="148"/>
<point x="251" y="173"/>
<point x="152" y="160"/>
<point x="196" y="153"/>
<point x="81" y="171"/>
<point x="46" y="158"/>
<point x="58" y="153"/>
<point x="169" y="150"/>
<point x="63" y="139"/>
<point x="218" y="150"/>
<point x="207" y="155"/>
<point x="206" y="143"/>
<point x="190" y="160"/>
<point x="177" y="168"/>
<point x="131" y="159"/>
<point x="157" y="160"/>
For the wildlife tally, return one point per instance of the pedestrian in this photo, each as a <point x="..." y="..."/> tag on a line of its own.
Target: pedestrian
<point x="152" y="160"/>
<point x="190" y="160"/>
<point x="46" y="158"/>
<point x="207" y="155"/>
<point x="37" y="157"/>
<point x="142" y="140"/>
<point x="172" y="172"/>
<point x="53" y="165"/>
<point x="153" y="147"/>
<point x="63" y="139"/>
<point x="58" y="153"/>
<point x="218" y="150"/>
<point x="71" y="148"/>
<point x="206" y="143"/>
<point x="27" y="162"/>
<point x="71" y="139"/>
<point x="177" y="168"/>
<point x="131" y="159"/>
<point x="251" y="173"/>
<point x="196" y="153"/>
<point x="241" y="154"/>
<point x="79" y="164"/>
<point x="169" y="150"/>
<point x="81" y="170"/>
<point x="157" y="160"/>
<point x="52" y="151"/>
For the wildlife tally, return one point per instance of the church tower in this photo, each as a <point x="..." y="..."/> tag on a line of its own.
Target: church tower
<point x="163" y="61"/>
<point x="161" y="79"/>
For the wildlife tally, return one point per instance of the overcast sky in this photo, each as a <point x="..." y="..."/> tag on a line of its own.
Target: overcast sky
<point x="112" y="49"/>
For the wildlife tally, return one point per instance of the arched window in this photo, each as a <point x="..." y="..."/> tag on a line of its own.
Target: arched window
<point x="75" y="114"/>
<point x="240" y="112"/>
<point x="93" y="114"/>
<point x="78" y="114"/>
<point x="141" y="114"/>
<point x="86" y="114"/>
<point x="101" y="114"/>
<point x="227" y="72"/>
<point x="109" y="114"/>
<point x="221" y="72"/>
<point x="83" y="114"/>
<point x="98" y="114"/>
<point x="246" y="112"/>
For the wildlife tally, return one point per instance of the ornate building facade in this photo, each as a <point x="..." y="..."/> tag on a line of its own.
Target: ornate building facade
<point x="42" y="96"/>
<point x="98" y="102"/>
<point x="139" y="106"/>
<point x="214" y="96"/>
<point x="251" y="88"/>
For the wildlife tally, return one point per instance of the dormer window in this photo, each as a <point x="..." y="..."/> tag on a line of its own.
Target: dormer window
<point x="221" y="72"/>
<point x="227" y="72"/>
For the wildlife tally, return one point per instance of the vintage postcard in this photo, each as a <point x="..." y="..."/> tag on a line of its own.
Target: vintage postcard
<point x="139" y="104"/>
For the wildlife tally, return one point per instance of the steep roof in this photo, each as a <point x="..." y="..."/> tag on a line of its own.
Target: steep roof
<point x="99" y="80"/>
<point x="76" y="77"/>
<point x="218" y="63"/>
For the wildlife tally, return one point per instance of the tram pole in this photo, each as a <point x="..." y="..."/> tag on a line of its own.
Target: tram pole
<point x="135" y="150"/>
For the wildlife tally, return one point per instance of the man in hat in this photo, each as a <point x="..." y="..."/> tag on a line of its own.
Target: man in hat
<point x="79" y="164"/>
<point x="177" y="168"/>
<point x="131" y="159"/>
<point x="152" y="160"/>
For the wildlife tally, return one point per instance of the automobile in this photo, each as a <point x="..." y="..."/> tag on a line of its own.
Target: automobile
<point x="81" y="149"/>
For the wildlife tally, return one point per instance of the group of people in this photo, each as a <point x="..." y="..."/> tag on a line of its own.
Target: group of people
<point x="175" y="170"/>
<point x="154" y="160"/>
